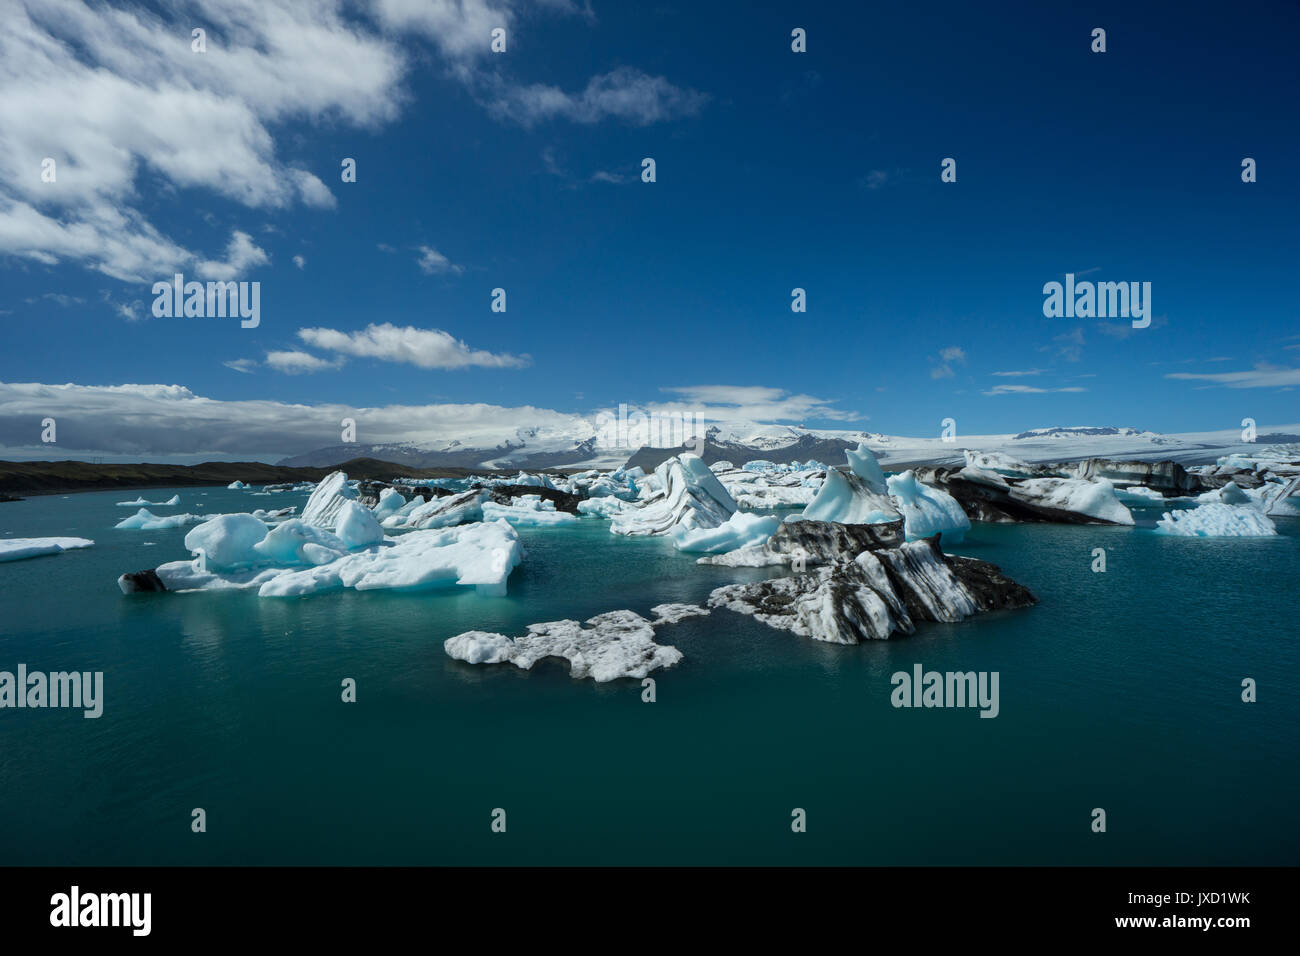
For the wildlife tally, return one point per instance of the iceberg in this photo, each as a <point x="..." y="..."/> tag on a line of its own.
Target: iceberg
<point x="15" y="549"/>
<point x="146" y="520"/>
<point x="927" y="511"/>
<point x="390" y="502"/>
<point x="605" y="507"/>
<point x="528" y="510"/>
<point x="741" y="530"/>
<point x="675" y="613"/>
<point x="323" y="507"/>
<point x="236" y="486"/>
<point x="611" y="645"/>
<point x="1217" y="521"/>
<point x="1090" y="497"/>
<point x="357" y="526"/>
<point x="445" y="512"/>
<point x="858" y="496"/>
<point x="298" y="559"/>
<point x="687" y="494"/>
<point x="140" y="502"/>
<point x="875" y="595"/>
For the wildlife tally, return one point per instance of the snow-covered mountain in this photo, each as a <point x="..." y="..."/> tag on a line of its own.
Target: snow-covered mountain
<point x="580" y="444"/>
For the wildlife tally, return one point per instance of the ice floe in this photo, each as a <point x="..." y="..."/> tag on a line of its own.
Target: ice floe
<point x="15" y="549"/>
<point x="1217" y="521"/>
<point x="611" y="645"/>
<point x="140" y="502"/>
<point x="858" y="496"/>
<point x="741" y="530"/>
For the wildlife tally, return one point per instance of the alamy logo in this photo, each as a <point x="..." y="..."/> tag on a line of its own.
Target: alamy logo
<point x="102" y="909"/>
<point x="57" y="689"/>
<point x="1098" y="300"/>
<point x="923" y="688"/>
<point x="215" y="300"/>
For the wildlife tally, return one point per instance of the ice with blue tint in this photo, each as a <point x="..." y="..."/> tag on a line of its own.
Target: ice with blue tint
<point x="927" y="510"/>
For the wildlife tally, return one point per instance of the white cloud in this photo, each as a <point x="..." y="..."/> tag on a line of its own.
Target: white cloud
<point x="242" y="254"/>
<point x="424" y="348"/>
<point x="295" y="362"/>
<point x="1030" y="390"/>
<point x="1028" y="371"/>
<point x="245" y="365"/>
<point x="752" y="403"/>
<point x="433" y="262"/>
<point x="300" y="262"/>
<point x="625" y="93"/>
<point x="1262" y="375"/>
<point x="134" y="421"/>
<point x="952" y="355"/>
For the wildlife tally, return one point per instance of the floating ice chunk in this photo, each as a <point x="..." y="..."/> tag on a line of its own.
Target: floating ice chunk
<point x="390" y="502"/>
<point x="755" y="556"/>
<point x="236" y="486"/>
<point x="1216" y="521"/>
<point x="605" y="507"/>
<point x="140" y="502"/>
<point x="612" y="645"/>
<point x="674" y="613"/>
<point x="227" y="542"/>
<point x="146" y="520"/>
<point x="478" y="555"/>
<point x="445" y="512"/>
<point x="718" y="466"/>
<point x="688" y="494"/>
<point x="296" y="542"/>
<point x="323" y="507"/>
<point x="528" y="510"/>
<point x="848" y="499"/>
<point x="863" y="463"/>
<point x="1139" y="493"/>
<point x="15" y="549"/>
<point x="535" y="481"/>
<point x="1094" y="497"/>
<point x="358" y="526"/>
<point x="741" y="530"/>
<point x="928" y="510"/>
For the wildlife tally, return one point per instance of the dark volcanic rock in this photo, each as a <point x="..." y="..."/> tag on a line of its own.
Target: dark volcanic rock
<point x="824" y="542"/>
<point x="136" y="582"/>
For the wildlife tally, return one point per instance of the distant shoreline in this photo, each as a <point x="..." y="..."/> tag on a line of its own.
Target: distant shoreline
<point x="27" y="479"/>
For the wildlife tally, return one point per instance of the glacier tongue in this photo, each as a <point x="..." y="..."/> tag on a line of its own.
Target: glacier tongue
<point x="686" y="494"/>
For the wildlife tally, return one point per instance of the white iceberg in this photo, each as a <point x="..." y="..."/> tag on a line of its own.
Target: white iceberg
<point x="927" y="510"/>
<point x="146" y="520"/>
<point x="528" y="510"/>
<point x="1216" y="521"/>
<point x="140" y="502"/>
<point x="444" y="512"/>
<point x="236" y="486"/>
<point x="15" y="549"/>
<point x="858" y="496"/>
<point x="233" y="554"/>
<point x="390" y="502"/>
<point x="605" y="507"/>
<point x="741" y="530"/>
<point x="1094" y="497"/>
<point x="675" y="613"/>
<point x="326" y="502"/>
<point x="612" y="645"/>
<point x="688" y="494"/>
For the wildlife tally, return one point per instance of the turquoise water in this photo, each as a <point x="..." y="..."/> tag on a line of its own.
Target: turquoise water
<point x="1120" y="690"/>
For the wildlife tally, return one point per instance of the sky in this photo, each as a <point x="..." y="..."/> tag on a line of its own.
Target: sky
<point x="522" y="170"/>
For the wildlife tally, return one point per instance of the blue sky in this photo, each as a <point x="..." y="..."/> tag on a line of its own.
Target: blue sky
<point x="774" y="170"/>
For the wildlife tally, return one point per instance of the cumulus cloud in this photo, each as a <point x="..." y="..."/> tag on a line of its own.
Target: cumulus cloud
<point x="424" y="348"/>
<point x="295" y="362"/>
